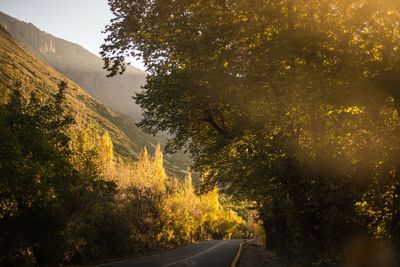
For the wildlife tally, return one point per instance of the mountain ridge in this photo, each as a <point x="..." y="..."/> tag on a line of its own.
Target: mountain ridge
<point x="79" y="65"/>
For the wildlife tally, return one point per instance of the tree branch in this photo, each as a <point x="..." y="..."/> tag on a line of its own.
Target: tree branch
<point x="210" y="119"/>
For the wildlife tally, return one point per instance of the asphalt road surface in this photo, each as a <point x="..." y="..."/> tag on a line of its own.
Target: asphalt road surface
<point x="214" y="253"/>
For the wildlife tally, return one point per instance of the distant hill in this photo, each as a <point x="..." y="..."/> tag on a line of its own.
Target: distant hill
<point x="80" y="65"/>
<point x="19" y="65"/>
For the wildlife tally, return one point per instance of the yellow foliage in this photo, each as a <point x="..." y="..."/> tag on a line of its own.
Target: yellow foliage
<point x="185" y="216"/>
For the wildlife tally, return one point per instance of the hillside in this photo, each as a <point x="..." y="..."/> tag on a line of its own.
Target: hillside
<point x="79" y="65"/>
<point x="19" y="65"/>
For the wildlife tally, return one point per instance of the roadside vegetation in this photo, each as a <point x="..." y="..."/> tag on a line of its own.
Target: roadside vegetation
<point x="66" y="198"/>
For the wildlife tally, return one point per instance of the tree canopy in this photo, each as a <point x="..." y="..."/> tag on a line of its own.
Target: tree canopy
<point x="292" y="104"/>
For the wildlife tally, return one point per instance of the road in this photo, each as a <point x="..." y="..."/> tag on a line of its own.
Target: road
<point x="214" y="253"/>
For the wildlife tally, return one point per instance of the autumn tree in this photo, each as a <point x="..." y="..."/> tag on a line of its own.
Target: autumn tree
<point x="106" y="156"/>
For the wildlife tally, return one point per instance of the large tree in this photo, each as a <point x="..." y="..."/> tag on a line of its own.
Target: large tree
<point x="290" y="103"/>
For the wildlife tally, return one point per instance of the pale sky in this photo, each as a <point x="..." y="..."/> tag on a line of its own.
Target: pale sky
<point x="78" y="21"/>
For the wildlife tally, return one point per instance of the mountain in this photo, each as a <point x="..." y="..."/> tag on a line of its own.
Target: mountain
<point x="79" y="65"/>
<point x="19" y="65"/>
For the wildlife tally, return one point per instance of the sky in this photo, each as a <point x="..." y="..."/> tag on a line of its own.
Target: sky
<point x="78" y="21"/>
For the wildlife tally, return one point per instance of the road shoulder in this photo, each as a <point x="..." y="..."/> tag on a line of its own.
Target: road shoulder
<point x="254" y="255"/>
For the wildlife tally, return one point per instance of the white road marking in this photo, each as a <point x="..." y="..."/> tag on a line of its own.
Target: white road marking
<point x="128" y="260"/>
<point x="193" y="256"/>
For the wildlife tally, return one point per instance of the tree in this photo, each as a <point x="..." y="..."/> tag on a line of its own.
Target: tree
<point x="34" y="169"/>
<point x="292" y="104"/>
<point x="106" y="156"/>
<point x="49" y="209"/>
<point x="158" y="171"/>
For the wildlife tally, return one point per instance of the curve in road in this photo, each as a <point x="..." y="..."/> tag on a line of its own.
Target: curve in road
<point x="214" y="253"/>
